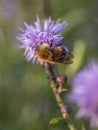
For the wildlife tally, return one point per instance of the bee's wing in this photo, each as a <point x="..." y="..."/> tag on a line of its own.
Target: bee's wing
<point x="68" y="59"/>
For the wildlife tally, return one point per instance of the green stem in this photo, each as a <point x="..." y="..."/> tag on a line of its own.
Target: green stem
<point x="54" y="84"/>
<point x="54" y="87"/>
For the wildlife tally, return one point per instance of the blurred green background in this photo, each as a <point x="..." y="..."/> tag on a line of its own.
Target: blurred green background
<point x="26" y="99"/>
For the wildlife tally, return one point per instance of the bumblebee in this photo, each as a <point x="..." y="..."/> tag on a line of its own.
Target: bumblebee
<point x="57" y="54"/>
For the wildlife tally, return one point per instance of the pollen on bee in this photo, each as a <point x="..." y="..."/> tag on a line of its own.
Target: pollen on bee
<point x="44" y="53"/>
<point x="57" y="54"/>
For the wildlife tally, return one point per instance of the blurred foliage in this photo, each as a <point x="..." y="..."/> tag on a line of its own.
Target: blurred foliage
<point x="26" y="99"/>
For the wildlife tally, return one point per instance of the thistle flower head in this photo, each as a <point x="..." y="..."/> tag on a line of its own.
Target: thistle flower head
<point x="35" y="35"/>
<point x="85" y="93"/>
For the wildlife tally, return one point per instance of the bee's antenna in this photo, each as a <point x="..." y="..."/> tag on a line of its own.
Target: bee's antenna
<point x="51" y="42"/>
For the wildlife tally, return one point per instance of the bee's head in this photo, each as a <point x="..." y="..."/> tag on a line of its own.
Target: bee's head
<point x="43" y="46"/>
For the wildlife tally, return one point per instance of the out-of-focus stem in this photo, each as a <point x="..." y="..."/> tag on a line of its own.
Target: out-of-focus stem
<point x="47" y="8"/>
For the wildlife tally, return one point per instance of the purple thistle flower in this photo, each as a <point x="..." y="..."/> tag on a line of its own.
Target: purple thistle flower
<point x="85" y="93"/>
<point x="36" y="35"/>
